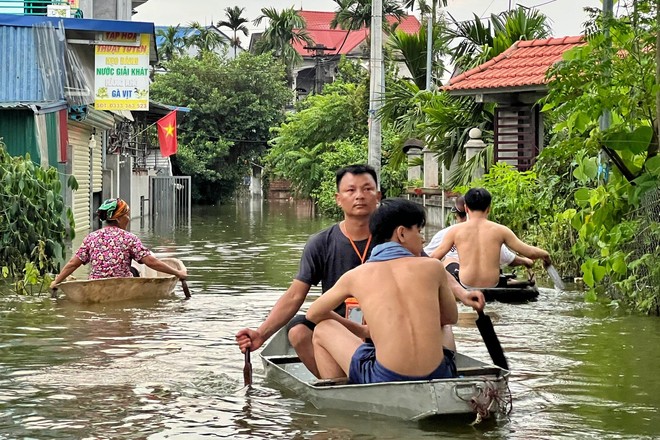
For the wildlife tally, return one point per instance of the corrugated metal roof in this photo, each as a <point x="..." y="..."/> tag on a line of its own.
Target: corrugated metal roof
<point x="86" y="27"/>
<point x="37" y="108"/>
<point x="21" y="83"/>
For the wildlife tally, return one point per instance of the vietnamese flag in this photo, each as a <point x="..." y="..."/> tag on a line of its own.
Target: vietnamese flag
<point x="167" y="134"/>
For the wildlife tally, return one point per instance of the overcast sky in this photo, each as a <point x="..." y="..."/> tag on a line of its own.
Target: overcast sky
<point x="567" y="16"/>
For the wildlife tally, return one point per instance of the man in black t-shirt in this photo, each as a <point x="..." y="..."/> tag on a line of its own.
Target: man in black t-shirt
<point x="327" y="255"/>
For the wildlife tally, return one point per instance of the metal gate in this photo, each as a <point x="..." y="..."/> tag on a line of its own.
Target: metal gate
<point x="170" y="201"/>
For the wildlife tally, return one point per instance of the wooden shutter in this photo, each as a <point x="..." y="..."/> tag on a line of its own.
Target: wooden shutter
<point x="516" y="135"/>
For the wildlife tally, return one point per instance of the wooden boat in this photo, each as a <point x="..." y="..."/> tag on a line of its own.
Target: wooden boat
<point x="150" y="284"/>
<point x="480" y="388"/>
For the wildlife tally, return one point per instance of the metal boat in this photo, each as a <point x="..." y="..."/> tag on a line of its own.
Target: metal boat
<point x="480" y="389"/>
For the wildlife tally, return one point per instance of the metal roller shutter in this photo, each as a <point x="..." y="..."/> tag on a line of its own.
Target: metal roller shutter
<point x="97" y="172"/>
<point x="79" y="135"/>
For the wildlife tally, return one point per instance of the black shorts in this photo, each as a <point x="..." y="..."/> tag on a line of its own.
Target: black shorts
<point x="452" y="268"/>
<point x="300" y="319"/>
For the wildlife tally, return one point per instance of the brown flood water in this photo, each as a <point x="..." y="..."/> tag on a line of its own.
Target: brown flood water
<point x="171" y="370"/>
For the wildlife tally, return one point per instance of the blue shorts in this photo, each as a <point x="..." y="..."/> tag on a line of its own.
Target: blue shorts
<point x="365" y="368"/>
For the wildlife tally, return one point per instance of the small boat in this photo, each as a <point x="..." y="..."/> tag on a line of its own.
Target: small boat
<point x="511" y="290"/>
<point x="150" y="284"/>
<point x="480" y="389"/>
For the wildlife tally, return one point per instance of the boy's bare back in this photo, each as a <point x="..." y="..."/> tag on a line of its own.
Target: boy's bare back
<point x="405" y="303"/>
<point x="478" y="243"/>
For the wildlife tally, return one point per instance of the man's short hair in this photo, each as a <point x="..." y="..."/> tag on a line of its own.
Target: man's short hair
<point x="477" y="199"/>
<point x="393" y="213"/>
<point x="355" y="170"/>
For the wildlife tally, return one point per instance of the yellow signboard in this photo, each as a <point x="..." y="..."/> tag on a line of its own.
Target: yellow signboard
<point x="122" y="72"/>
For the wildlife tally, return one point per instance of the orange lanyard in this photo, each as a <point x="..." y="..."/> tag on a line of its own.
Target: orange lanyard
<point x="366" y="248"/>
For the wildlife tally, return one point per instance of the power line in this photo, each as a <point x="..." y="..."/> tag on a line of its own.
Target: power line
<point x="540" y="4"/>
<point x="487" y="8"/>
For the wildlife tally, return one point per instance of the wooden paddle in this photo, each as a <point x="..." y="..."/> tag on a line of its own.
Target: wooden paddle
<point x="485" y="326"/>
<point x="247" y="369"/>
<point x="186" y="291"/>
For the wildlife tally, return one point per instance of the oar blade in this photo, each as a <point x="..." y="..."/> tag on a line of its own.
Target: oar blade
<point x="485" y="326"/>
<point x="247" y="369"/>
<point x="186" y="290"/>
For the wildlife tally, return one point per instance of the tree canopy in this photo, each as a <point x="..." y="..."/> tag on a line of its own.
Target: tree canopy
<point x="233" y="105"/>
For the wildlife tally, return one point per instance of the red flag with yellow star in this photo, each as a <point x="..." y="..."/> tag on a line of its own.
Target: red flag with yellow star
<point x="167" y="134"/>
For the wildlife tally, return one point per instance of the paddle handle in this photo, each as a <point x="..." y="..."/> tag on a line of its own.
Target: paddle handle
<point x="186" y="290"/>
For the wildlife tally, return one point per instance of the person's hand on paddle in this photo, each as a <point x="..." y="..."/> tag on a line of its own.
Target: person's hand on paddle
<point x="248" y="338"/>
<point x="182" y="275"/>
<point x="54" y="285"/>
<point x="474" y="299"/>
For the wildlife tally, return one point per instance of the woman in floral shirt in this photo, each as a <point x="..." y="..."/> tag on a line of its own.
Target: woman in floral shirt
<point x="111" y="249"/>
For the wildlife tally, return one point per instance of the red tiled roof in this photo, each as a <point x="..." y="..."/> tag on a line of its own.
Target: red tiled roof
<point x="318" y="27"/>
<point x="525" y="63"/>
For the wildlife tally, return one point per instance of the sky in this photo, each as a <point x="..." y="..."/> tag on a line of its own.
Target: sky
<point x="567" y="16"/>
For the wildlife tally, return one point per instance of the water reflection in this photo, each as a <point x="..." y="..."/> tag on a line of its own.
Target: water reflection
<point x="170" y="369"/>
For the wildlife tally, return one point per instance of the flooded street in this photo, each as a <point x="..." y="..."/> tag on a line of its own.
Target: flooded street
<point x="171" y="369"/>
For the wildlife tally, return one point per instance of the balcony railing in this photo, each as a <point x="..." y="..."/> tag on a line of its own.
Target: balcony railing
<point x="39" y="7"/>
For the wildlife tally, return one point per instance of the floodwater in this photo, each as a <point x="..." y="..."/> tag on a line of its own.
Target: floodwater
<point x="171" y="370"/>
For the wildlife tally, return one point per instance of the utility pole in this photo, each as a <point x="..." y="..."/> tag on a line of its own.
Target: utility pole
<point x="606" y="116"/>
<point x="429" y="51"/>
<point x="376" y="86"/>
<point x="319" y="53"/>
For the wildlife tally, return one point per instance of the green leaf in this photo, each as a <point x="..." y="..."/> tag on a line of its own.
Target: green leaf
<point x="653" y="166"/>
<point x="636" y="141"/>
<point x="587" y="275"/>
<point x="619" y="265"/>
<point x="582" y="197"/>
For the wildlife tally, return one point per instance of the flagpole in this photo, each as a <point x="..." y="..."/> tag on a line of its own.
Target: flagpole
<point x="149" y="126"/>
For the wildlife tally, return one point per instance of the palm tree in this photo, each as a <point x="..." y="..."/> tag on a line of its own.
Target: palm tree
<point x="424" y="7"/>
<point x="173" y="43"/>
<point x="479" y="42"/>
<point x="413" y="49"/>
<point x="204" y="38"/>
<point x="236" y="23"/>
<point x="356" y="14"/>
<point x="284" y="29"/>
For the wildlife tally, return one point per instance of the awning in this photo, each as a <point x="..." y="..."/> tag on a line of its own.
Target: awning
<point x="86" y="27"/>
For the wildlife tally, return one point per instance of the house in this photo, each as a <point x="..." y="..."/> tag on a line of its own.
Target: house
<point x="515" y="80"/>
<point x="320" y="61"/>
<point x="52" y="104"/>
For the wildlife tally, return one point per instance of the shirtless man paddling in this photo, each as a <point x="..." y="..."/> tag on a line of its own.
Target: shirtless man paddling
<point x="479" y="241"/>
<point x="406" y="302"/>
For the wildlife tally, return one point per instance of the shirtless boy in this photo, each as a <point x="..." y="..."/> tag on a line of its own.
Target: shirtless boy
<point x="405" y="301"/>
<point x="479" y="242"/>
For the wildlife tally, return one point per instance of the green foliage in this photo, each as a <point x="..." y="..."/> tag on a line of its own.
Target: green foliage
<point x="323" y="123"/>
<point x="329" y="131"/>
<point x="617" y="236"/>
<point x="595" y="78"/>
<point x="284" y="29"/>
<point x="32" y="230"/>
<point x="517" y="202"/>
<point x="479" y="42"/>
<point x="233" y="105"/>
